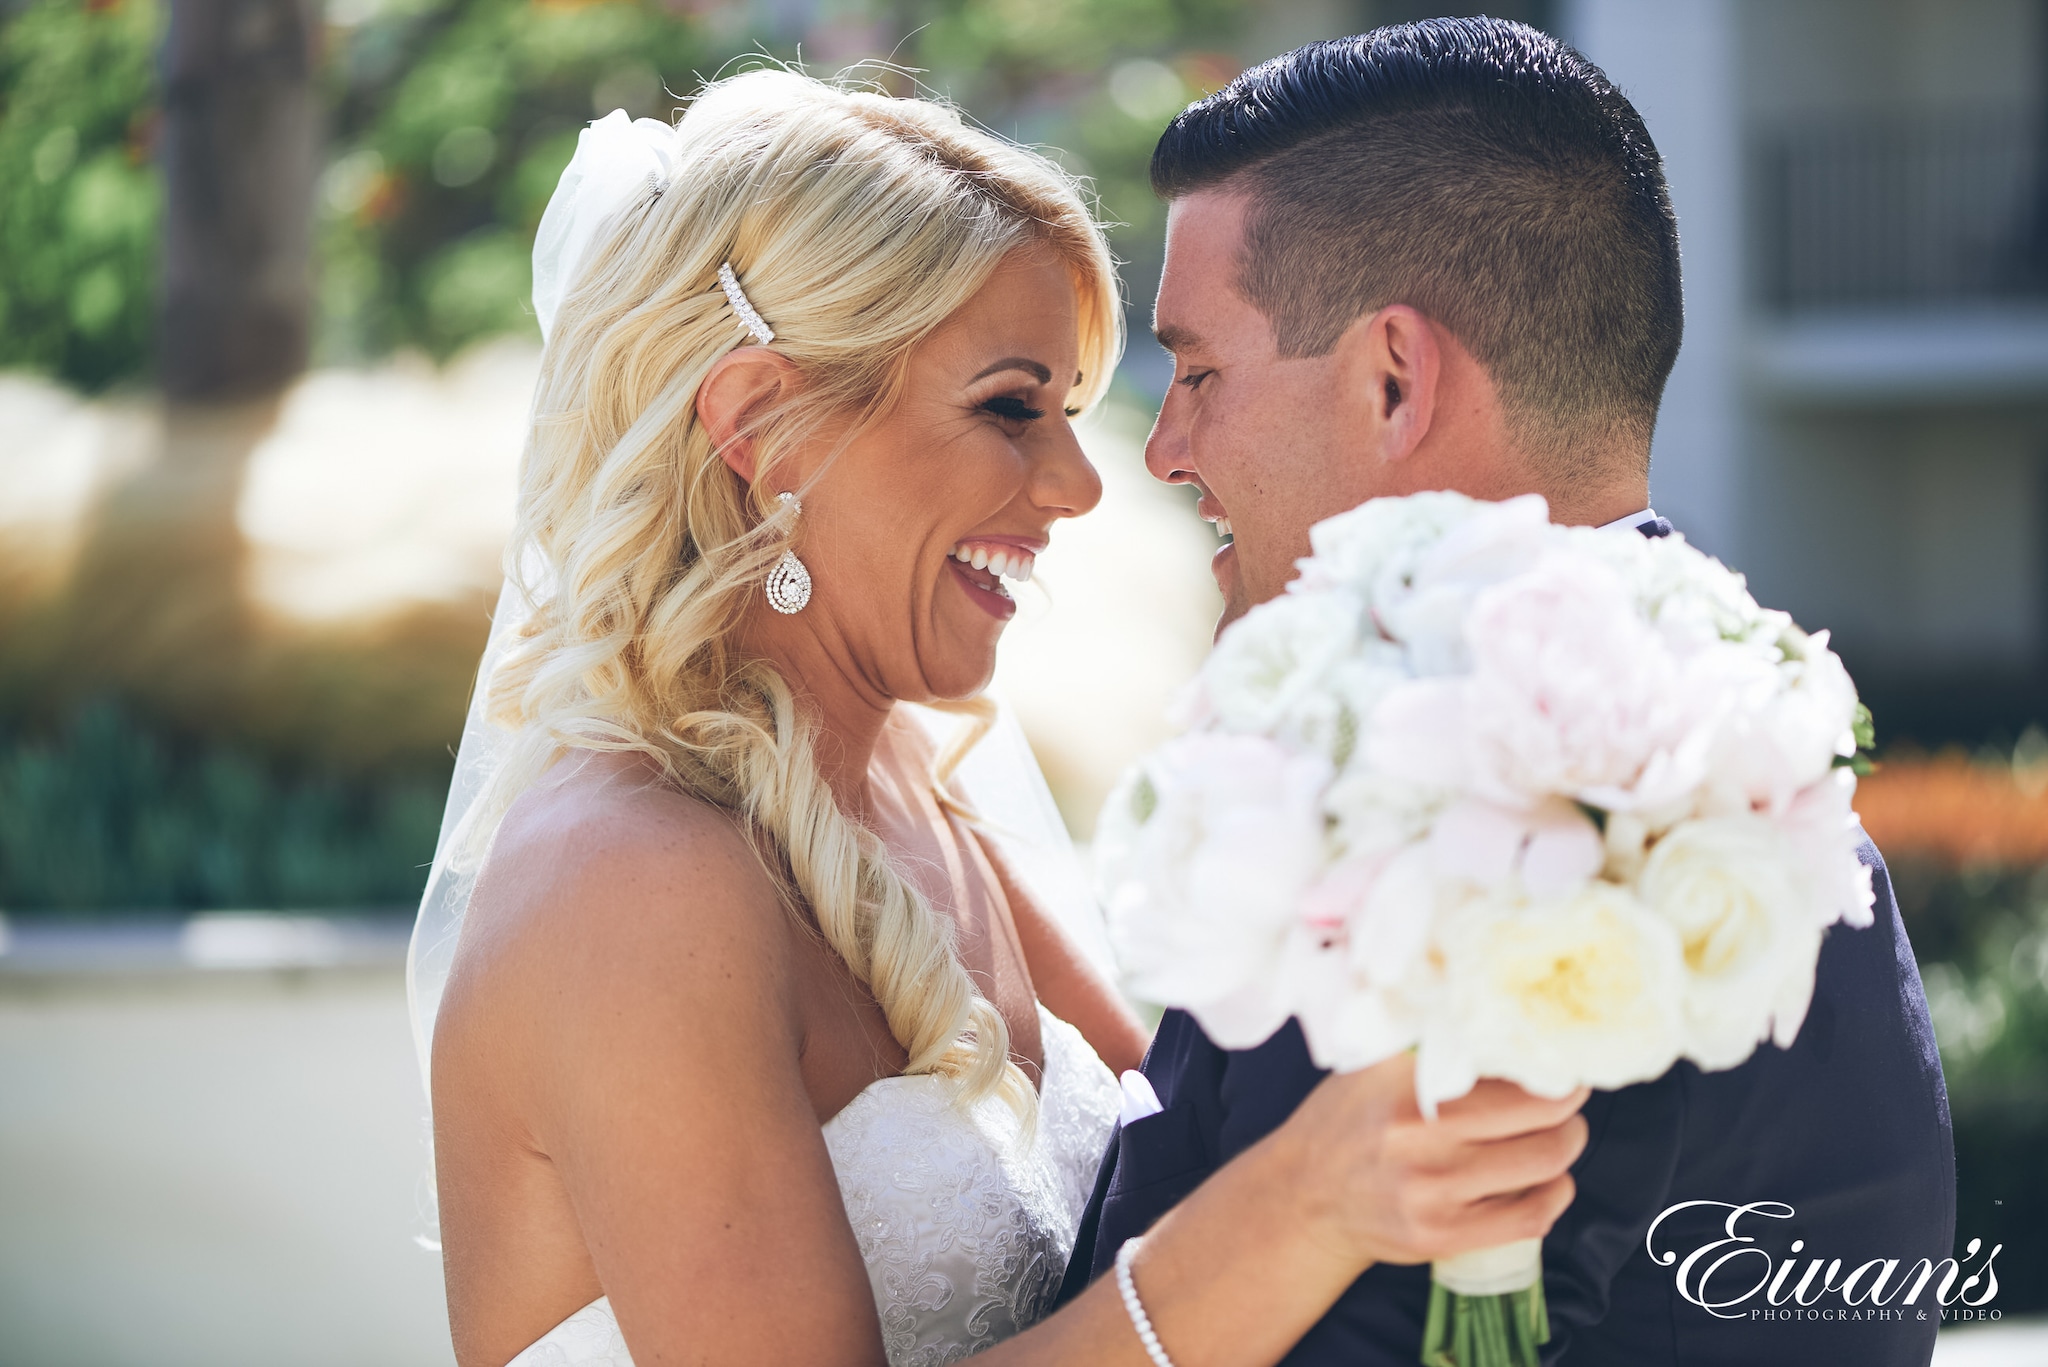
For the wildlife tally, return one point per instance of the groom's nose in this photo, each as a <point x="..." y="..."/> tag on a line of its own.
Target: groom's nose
<point x="1166" y="450"/>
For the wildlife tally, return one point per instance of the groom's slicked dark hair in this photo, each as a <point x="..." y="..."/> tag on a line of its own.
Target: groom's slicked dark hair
<point x="1475" y="169"/>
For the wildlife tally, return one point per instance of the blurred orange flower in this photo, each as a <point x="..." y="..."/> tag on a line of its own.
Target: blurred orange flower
<point x="1957" y="810"/>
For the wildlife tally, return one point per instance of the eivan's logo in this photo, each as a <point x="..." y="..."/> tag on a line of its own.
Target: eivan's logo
<point x="1717" y="1276"/>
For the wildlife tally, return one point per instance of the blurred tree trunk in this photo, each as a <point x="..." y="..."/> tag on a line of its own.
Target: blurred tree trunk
<point x="239" y="140"/>
<point x="159" y="609"/>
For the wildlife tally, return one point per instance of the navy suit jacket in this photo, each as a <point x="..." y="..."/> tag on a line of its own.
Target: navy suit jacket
<point x="1849" y="1127"/>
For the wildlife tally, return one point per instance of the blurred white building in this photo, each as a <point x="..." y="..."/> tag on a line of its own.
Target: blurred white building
<point x="1860" y="413"/>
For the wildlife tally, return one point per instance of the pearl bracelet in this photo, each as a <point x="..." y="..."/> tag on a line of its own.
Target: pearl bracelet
<point x="1135" y="1308"/>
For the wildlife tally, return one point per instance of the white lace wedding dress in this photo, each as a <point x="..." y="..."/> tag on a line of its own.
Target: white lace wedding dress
<point x="965" y="1224"/>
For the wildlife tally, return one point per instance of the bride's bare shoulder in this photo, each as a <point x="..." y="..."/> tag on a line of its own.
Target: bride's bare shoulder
<point x="604" y="871"/>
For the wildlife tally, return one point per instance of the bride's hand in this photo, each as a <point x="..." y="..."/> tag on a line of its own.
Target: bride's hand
<point x="1386" y="1184"/>
<point x="1241" y="1269"/>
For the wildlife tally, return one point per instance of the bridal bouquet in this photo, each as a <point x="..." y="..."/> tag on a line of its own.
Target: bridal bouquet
<point x="1549" y="804"/>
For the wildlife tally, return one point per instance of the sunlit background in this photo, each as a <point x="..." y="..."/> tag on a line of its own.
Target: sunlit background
<point x="265" y="351"/>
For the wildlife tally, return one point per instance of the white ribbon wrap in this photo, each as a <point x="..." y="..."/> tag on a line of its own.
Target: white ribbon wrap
<point x="619" y="162"/>
<point x="1492" y="1271"/>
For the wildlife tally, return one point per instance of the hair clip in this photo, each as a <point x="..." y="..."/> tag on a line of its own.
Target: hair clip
<point x="737" y="297"/>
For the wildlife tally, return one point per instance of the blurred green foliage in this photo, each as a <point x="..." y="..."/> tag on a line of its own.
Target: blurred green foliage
<point x="451" y="123"/>
<point x="79" y="212"/>
<point x="454" y="118"/>
<point x="109" y="815"/>
<point x="450" y="120"/>
<point x="1981" y="936"/>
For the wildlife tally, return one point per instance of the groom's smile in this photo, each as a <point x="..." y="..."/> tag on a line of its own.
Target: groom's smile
<point x="1272" y="441"/>
<point x="1280" y="428"/>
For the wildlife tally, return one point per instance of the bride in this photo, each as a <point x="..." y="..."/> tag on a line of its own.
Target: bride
<point x="752" y="1038"/>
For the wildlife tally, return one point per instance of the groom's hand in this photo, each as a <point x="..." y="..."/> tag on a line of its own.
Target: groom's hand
<point x="1395" y="1187"/>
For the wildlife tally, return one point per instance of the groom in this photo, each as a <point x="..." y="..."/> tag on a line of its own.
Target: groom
<point x="1441" y="256"/>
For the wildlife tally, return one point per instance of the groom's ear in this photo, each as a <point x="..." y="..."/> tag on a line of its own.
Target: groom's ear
<point x="1394" y="367"/>
<point x="740" y="388"/>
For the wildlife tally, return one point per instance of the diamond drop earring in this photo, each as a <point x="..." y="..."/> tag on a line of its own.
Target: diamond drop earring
<point x="789" y="583"/>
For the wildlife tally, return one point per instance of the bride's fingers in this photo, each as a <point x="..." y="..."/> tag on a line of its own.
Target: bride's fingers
<point x="1499" y="1110"/>
<point x="1487" y="1170"/>
<point x="1503" y="1219"/>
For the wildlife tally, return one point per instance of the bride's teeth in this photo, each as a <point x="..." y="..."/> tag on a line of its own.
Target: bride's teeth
<point x="1004" y="562"/>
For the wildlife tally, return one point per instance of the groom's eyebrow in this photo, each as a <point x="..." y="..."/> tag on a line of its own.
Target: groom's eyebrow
<point x="1176" y="339"/>
<point x="1028" y="366"/>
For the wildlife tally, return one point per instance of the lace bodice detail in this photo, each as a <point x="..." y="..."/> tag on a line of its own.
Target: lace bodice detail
<point x="965" y="1223"/>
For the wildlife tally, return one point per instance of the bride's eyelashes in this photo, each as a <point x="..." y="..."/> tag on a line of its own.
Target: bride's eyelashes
<point x="1010" y="408"/>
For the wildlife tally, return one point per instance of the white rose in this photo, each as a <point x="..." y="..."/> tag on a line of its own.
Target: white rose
<point x="1374" y="812"/>
<point x="1730" y="887"/>
<point x="1273" y="670"/>
<point x="1550" y="848"/>
<point x="1422" y="598"/>
<point x="1351" y="547"/>
<point x="1553" y="995"/>
<point x="1348" y="1021"/>
<point x="1206" y="850"/>
<point x="1690" y="597"/>
<point x="1357" y="967"/>
<point x="1572" y="694"/>
<point x="1828" y="838"/>
<point x="1783" y="736"/>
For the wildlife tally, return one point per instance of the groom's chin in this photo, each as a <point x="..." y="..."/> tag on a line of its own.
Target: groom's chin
<point x="1233" y="609"/>
<point x="1224" y="567"/>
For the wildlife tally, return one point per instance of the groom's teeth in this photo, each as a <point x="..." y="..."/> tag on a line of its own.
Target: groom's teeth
<point x="1222" y="526"/>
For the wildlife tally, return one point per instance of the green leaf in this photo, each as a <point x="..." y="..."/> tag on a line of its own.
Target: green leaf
<point x="1347" y="736"/>
<point x="1144" y="799"/>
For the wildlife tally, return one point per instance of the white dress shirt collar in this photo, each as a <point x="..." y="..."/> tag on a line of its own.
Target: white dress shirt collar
<point x="1632" y="520"/>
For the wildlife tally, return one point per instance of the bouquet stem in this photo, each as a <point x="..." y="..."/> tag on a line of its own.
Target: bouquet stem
<point x="1486" y="1309"/>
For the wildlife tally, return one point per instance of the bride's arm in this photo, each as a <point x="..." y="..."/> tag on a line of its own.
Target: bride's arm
<point x="661" y="1049"/>
<point x="1238" y="1272"/>
<point x="1066" y="981"/>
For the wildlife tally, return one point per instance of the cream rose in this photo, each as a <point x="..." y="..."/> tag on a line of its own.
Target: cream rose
<point x="1730" y="887"/>
<point x="1583" y="991"/>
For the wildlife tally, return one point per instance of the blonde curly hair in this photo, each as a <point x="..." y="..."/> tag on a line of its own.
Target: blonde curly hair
<point x="858" y="223"/>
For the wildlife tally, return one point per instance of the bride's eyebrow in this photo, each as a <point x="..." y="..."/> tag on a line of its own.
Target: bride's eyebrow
<point x="1029" y="367"/>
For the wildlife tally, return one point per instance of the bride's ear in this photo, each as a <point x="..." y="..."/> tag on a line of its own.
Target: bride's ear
<point x="1394" y="366"/>
<point x="741" y="387"/>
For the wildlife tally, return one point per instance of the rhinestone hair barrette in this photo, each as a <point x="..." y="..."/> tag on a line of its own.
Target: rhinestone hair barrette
<point x="737" y="297"/>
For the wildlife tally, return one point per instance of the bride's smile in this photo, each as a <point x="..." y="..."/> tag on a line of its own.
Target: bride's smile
<point x="916" y="530"/>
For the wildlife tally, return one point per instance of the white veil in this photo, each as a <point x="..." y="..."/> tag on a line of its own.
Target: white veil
<point x="620" y="162"/>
